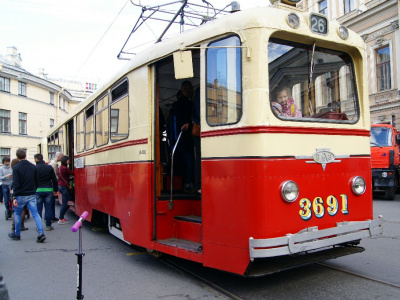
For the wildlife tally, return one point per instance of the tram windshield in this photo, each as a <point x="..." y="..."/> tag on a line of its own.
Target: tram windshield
<point x="308" y="83"/>
<point x="381" y="137"/>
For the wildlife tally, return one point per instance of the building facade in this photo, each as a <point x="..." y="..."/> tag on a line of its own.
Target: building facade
<point x="29" y="106"/>
<point x="377" y="22"/>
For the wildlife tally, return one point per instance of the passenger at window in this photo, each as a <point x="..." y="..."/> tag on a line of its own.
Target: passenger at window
<point x="289" y="108"/>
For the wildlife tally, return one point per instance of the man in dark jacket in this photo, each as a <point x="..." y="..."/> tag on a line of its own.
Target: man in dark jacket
<point x="181" y="117"/>
<point x="25" y="183"/>
<point x="46" y="190"/>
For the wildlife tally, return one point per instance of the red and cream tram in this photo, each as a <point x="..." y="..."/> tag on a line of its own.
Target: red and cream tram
<point x="285" y="152"/>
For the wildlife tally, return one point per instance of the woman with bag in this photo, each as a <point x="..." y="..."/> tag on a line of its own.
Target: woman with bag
<point x="64" y="186"/>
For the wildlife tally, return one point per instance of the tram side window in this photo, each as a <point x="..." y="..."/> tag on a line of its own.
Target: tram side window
<point x="119" y="118"/>
<point x="102" y="121"/>
<point x="57" y="146"/>
<point x="80" y="133"/>
<point x="224" y="82"/>
<point x="60" y="140"/>
<point x="53" y="144"/>
<point x="50" y="147"/>
<point x="325" y="92"/>
<point x="89" y="128"/>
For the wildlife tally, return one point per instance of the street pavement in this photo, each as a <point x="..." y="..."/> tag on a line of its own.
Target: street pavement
<point x="112" y="269"/>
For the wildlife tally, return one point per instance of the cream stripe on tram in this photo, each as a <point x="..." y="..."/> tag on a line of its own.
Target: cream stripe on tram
<point x="278" y="144"/>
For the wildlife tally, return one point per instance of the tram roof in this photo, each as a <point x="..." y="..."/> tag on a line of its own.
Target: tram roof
<point x="235" y="23"/>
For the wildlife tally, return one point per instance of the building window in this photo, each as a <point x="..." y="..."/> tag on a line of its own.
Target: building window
<point x="4" y="84"/>
<point x="22" y="89"/>
<point x="323" y="7"/>
<point x="348" y="6"/>
<point x="51" y="123"/>
<point x="51" y="98"/>
<point x="22" y="123"/>
<point x="4" y="152"/>
<point x="383" y="69"/>
<point x="5" y="121"/>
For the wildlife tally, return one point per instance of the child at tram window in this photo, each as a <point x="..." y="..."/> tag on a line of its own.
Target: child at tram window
<point x="289" y="108"/>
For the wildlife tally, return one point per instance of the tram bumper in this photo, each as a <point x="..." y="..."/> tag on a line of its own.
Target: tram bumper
<point x="311" y="238"/>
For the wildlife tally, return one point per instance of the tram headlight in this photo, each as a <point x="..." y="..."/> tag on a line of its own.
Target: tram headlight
<point x="384" y="174"/>
<point x="293" y="20"/>
<point x="343" y="32"/>
<point x="289" y="191"/>
<point x="358" y="185"/>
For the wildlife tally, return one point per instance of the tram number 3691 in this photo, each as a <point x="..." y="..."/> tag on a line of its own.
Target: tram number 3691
<point x="316" y="207"/>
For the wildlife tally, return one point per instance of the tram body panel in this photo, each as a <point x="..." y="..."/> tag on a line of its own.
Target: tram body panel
<point x="242" y="194"/>
<point x="235" y="213"/>
<point x="122" y="191"/>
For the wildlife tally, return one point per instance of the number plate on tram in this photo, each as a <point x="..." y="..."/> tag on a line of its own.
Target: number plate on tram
<point x="318" y="24"/>
<point x="319" y="206"/>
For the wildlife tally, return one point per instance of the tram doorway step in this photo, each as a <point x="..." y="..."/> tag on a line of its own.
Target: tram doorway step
<point x="188" y="228"/>
<point x="183" y="244"/>
<point x="191" y="218"/>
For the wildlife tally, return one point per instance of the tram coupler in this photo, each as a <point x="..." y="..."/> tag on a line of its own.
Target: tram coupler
<point x="77" y="227"/>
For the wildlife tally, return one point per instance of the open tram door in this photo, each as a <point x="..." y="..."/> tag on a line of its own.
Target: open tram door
<point x="69" y="143"/>
<point x="177" y="203"/>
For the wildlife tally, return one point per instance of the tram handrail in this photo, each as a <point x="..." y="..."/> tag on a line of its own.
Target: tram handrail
<point x="171" y="203"/>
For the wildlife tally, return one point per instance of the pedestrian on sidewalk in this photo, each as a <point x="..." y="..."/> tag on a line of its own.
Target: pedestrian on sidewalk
<point x="63" y="183"/>
<point x="5" y="179"/>
<point x="24" y="211"/>
<point x="54" y="164"/>
<point x="46" y="190"/>
<point x="25" y="183"/>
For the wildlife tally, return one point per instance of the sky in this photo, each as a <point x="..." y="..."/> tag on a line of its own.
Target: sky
<point x="78" y="39"/>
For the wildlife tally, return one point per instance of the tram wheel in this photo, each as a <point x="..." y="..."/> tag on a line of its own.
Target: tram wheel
<point x="154" y="253"/>
<point x="390" y="192"/>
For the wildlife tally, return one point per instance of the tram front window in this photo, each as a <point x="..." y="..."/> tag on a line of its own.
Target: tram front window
<point x="309" y="83"/>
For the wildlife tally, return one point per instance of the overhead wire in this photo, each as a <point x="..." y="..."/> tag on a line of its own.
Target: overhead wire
<point x="80" y="68"/>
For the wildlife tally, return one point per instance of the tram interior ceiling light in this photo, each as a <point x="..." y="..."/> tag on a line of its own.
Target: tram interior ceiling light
<point x="343" y="32"/>
<point x="289" y="191"/>
<point x="293" y="20"/>
<point x="358" y="185"/>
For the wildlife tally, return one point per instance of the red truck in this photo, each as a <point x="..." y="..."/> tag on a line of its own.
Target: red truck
<point x="385" y="159"/>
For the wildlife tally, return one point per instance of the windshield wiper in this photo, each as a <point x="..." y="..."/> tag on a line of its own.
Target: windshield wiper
<point x="310" y="108"/>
